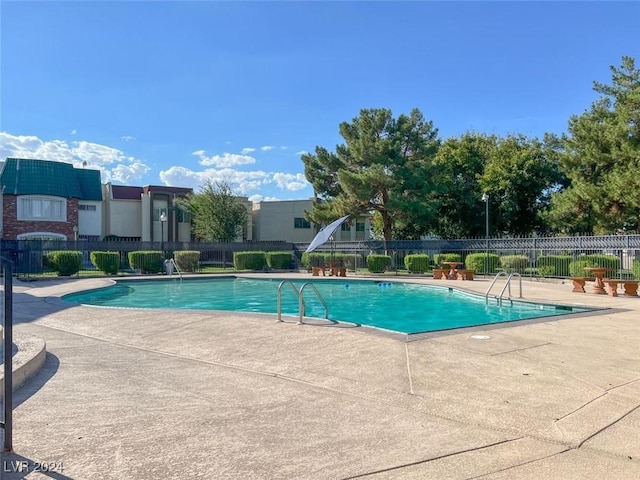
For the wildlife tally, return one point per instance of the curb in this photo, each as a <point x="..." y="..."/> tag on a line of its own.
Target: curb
<point x="27" y="361"/>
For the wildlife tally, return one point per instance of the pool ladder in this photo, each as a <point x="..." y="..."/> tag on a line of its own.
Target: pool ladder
<point x="506" y="286"/>
<point x="173" y="263"/>
<point x="300" y="295"/>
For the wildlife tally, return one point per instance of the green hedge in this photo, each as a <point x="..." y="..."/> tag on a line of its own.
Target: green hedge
<point x="438" y="258"/>
<point x="635" y="268"/>
<point x="576" y="268"/>
<point x="482" y="262"/>
<point x="417" y="262"/>
<point x="378" y="263"/>
<point x="64" y="262"/>
<point x="107" y="262"/>
<point x="605" y="261"/>
<point x="514" y="263"/>
<point x="249" y="260"/>
<point x="316" y="259"/>
<point x="147" y="261"/>
<point x="554" y="265"/>
<point x="312" y="259"/>
<point x="279" y="260"/>
<point x="187" y="260"/>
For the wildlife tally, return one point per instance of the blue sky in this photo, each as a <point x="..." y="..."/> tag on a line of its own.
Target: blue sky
<point x="177" y="92"/>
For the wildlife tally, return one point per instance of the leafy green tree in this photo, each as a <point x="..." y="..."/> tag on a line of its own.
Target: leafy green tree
<point x="460" y="164"/>
<point x="602" y="160"/>
<point x="519" y="177"/>
<point x="385" y="167"/>
<point x="519" y="174"/>
<point x="218" y="215"/>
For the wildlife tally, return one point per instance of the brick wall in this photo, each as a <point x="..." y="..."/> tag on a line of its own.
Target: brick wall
<point x="13" y="228"/>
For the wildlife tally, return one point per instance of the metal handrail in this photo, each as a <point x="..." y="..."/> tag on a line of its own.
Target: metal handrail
<point x="506" y="286"/>
<point x="495" y="279"/>
<point x="293" y="287"/>
<point x="175" y="266"/>
<point x="301" y="302"/>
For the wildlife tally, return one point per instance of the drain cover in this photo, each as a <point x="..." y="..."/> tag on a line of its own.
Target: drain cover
<point x="480" y="337"/>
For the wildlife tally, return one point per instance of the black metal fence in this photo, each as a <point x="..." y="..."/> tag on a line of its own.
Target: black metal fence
<point x="28" y="256"/>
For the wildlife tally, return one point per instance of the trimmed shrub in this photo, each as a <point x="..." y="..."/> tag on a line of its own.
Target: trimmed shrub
<point x="514" y="263"/>
<point x="187" y="260"/>
<point x="482" y="262"/>
<point x="249" y="260"/>
<point x="107" y="262"/>
<point x="378" y="263"/>
<point x="64" y="262"/>
<point x="635" y="268"/>
<point x="147" y="261"/>
<point x="279" y="260"/>
<point x="554" y="265"/>
<point x="312" y="259"/>
<point x="605" y="261"/>
<point x="417" y="262"/>
<point x="576" y="268"/>
<point x="438" y="258"/>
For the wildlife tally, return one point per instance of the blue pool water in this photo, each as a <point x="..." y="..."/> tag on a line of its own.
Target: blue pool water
<point x="400" y="307"/>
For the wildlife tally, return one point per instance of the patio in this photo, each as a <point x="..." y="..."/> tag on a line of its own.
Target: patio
<point x="166" y="394"/>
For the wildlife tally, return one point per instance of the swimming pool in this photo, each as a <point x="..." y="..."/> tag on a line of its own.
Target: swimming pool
<point x="400" y="307"/>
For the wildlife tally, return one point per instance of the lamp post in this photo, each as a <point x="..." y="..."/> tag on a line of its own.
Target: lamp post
<point x="485" y="199"/>
<point x="163" y="218"/>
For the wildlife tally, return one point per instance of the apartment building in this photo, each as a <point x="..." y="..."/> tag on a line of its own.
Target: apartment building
<point x="44" y="199"/>
<point x="285" y="220"/>
<point x="49" y="200"/>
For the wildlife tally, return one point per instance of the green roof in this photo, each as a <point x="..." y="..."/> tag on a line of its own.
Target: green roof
<point x="25" y="176"/>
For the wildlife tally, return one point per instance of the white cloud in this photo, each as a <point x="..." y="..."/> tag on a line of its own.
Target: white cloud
<point x="106" y="159"/>
<point x="74" y="131"/>
<point x="290" y="181"/>
<point x="259" y="198"/>
<point x="241" y="182"/>
<point x="283" y="148"/>
<point x="302" y="152"/>
<point x="225" y="160"/>
<point x="127" y="138"/>
<point x="246" y="150"/>
<point x="129" y="173"/>
<point x="266" y="148"/>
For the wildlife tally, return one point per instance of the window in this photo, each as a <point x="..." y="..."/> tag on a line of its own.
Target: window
<point x="359" y="227"/>
<point x="299" y="222"/>
<point x="345" y="227"/>
<point x="42" y="208"/>
<point x="183" y="216"/>
<point x="157" y="212"/>
<point x="88" y="208"/>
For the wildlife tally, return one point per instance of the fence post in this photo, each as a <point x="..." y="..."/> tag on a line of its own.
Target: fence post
<point x="7" y="418"/>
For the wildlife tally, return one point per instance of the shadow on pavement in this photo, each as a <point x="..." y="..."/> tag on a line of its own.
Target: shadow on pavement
<point x="35" y="383"/>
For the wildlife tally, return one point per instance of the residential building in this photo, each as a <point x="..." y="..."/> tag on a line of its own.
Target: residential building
<point x="286" y="220"/>
<point x="49" y="200"/>
<point x="54" y="200"/>
<point x="148" y="213"/>
<point x="152" y="213"/>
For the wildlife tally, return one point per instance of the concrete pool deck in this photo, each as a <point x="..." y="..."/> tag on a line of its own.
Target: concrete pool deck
<point x="147" y="394"/>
